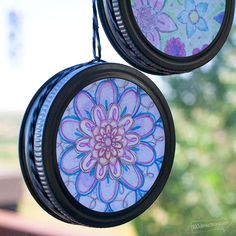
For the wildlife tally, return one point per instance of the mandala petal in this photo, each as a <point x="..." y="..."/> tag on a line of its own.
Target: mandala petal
<point x="191" y="29"/>
<point x="157" y="4"/>
<point x="88" y="163"/>
<point x="189" y="5"/>
<point x="106" y="94"/>
<point x="69" y="129"/>
<point x="202" y="8"/>
<point x="126" y="123"/>
<point x="143" y="125"/>
<point x="145" y="154"/>
<point x="132" y="177"/>
<point x="165" y="23"/>
<point x="83" y="145"/>
<point x="202" y="25"/>
<point x="133" y="139"/>
<point x="183" y="17"/>
<point x="83" y="104"/>
<point x="115" y="169"/>
<point x="154" y="38"/>
<point x="70" y="163"/>
<point x="108" y="189"/>
<point x="129" y="102"/>
<point x="101" y="171"/>
<point x="87" y="126"/>
<point x="114" y="113"/>
<point x="128" y="158"/>
<point x="85" y="183"/>
<point x="99" y="114"/>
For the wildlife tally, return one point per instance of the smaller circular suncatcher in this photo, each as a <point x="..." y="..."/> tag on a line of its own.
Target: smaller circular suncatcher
<point x="167" y="36"/>
<point x="97" y="144"/>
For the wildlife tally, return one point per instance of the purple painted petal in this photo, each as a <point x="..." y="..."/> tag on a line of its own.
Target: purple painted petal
<point x="129" y="102"/>
<point x="165" y="23"/>
<point x="106" y="94"/>
<point x="191" y="29"/>
<point x="157" y="4"/>
<point x="101" y="171"/>
<point x="99" y="114"/>
<point x="202" y="25"/>
<point x="189" y="5"/>
<point x="143" y="125"/>
<point x="108" y="189"/>
<point x="86" y="126"/>
<point x="145" y="154"/>
<point x="83" y="145"/>
<point x="154" y="38"/>
<point x="83" y="104"/>
<point x="68" y="129"/>
<point x="87" y="163"/>
<point x="114" y="113"/>
<point x="70" y="163"/>
<point x="85" y="183"/>
<point x="115" y="169"/>
<point x="150" y="174"/>
<point x="132" y="177"/>
<point x="128" y="158"/>
<point x="133" y="139"/>
<point x="183" y="17"/>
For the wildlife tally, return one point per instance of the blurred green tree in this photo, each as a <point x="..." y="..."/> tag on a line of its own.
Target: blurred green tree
<point x="202" y="184"/>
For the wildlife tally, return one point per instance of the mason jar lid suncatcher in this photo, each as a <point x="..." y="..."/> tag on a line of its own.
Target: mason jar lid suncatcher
<point x="97" y="142"/>
<point x="167" y="36"/>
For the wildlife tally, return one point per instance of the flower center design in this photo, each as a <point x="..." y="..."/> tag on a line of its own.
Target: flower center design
<point x="109" y="142"/>
<point x="194" y="16"/>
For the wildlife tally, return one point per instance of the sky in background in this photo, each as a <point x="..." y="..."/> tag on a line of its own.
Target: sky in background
<point x="38" y="38"/>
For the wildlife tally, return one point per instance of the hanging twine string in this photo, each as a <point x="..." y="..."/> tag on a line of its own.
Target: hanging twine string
<point x="96" y="37"/>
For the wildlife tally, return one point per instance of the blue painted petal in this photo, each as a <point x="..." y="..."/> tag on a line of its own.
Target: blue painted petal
<point x="189" y="5"/>
<point x="202" y="8"/>
<point x="108" y="189"/>
<point x="219" y="18"/>
<point x="191" y="29"/>
<point x="202" y="25"/>
<point x="183" y="17"/>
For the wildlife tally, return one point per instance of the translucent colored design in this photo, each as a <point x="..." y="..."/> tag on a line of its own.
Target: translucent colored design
<point x="177" y="28"/>
<point x="110" y="145"/>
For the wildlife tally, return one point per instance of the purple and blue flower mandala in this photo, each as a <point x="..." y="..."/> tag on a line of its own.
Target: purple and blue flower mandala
<point x="110" y="145"/>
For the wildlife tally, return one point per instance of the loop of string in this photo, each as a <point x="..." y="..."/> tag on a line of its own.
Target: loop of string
<point x="96" y="37"/>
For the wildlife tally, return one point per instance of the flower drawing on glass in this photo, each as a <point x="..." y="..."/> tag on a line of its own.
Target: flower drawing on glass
<point x="110" y="145"/>
<point x="152" y="20"/>
<point x="178" y="28"/>
<point x="193" y="17"/>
